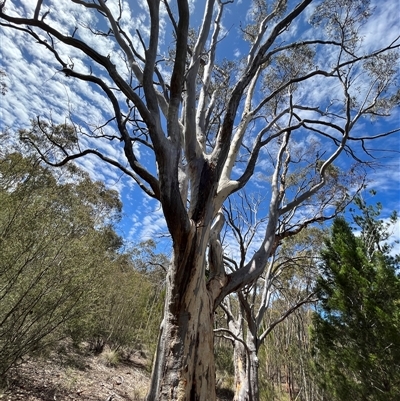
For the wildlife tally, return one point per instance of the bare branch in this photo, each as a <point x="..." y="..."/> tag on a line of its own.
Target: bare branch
<point x="37" y="9"/>
<point x="292" y="309"/>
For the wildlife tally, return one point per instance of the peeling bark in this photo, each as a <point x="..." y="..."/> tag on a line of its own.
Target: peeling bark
<point x="184" y="364"/>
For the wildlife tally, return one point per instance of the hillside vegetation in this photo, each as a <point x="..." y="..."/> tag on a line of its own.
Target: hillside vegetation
<point x="80" y="311"/>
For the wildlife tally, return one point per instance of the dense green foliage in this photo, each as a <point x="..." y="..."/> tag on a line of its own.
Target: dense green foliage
<point x="55" y="240"/>
<point x="128" y="310"/>
<point x="61" y="271"/>
<point x="357" y="325"/>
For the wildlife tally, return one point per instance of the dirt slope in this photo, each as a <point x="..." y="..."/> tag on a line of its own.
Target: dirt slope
<point x="78" y="377"/>
<point x="82" y="376"/>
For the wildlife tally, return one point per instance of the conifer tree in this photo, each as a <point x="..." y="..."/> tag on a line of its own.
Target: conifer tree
<point x="356" y="328"/>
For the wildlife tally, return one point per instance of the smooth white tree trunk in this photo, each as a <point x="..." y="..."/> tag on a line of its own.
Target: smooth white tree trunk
<point x="246" y="366"/>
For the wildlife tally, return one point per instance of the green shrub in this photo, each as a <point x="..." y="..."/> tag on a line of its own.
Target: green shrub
<point x="55" y="244"/>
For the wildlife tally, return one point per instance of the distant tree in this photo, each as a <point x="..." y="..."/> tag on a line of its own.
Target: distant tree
<point x="356" y="331"/>
<point x="287" y="280"/>
<point x="56" y="242"/>
<point x="210" y="127"/>
<point x="256" y="312"/>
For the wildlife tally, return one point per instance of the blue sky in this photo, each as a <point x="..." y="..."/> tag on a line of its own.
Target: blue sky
<point x="36" y="88"/>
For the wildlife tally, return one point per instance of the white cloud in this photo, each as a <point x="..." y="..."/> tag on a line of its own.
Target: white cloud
<point x="147" y="222"/>
<point x="383" y="27"/>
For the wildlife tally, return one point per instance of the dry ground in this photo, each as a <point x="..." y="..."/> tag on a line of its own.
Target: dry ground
<point x="78" y="376"/>
<point x="81" y="376"/>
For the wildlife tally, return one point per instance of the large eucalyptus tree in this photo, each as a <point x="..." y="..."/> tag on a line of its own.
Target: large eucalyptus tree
<point x="210" y="126"/>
